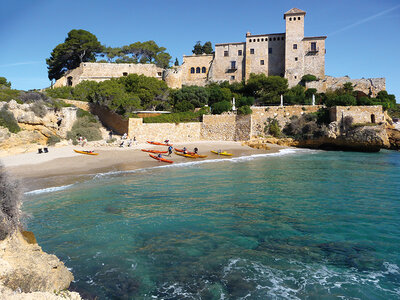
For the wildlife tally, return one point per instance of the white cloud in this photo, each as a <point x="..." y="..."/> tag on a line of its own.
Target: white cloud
<point x="20" y="64"/>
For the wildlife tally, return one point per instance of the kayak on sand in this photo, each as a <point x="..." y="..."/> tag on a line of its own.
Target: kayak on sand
<point x="154" y="151"/>
<point x="161" y="159"/>
<point x="86" y="152"/>
<point x="159" y="144"/>
<point x="222" y="153"/>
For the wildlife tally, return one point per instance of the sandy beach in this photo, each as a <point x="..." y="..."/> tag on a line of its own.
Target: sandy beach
<point x="63" y="166"/>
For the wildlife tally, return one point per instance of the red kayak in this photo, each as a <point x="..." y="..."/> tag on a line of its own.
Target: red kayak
<point x="154" y="151"/>
<point x="159" y="144"/>
<point x="187" y="152"/>
<point x="161" y="159"/>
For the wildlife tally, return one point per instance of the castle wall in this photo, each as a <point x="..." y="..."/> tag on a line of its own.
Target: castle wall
<point x="221" y="69"/>
<point x="181" y="132"/>
<point x="80" y="104"/>
<point x="370" y="86"/>
<point x="314" y="61"/>
<point x="196" y="63"/>
<point x="282" y="114"/>
<point x="110" y="119"/>
<point x="265" y="54"/>
<point x="360" y="114"/>
<point x="104" y="71"/>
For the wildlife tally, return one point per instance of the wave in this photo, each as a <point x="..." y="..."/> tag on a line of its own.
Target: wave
<point x="48" y="190"/>
<point x="282" y="152"/>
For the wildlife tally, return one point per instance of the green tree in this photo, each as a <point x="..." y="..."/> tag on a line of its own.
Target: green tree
<point x="196" y="95"/>
<point x="341" y="100"/>
<point x="295" y="95"/>
<point x="244" y="110"/>
<point x="348" y="88"/>
<point x="197" y="48"/>
<point x="308" y="78"/>
<point x="218" y="94"/>
<point x="4" y="82"/>
<point x="220" y="107"/>
<point x="79" y="46"/>
<point x="245" y="101"/>
<point x="267" y="89"/>
<point x="183" y="106"/>
<point x="85" y="90"/>
<point x="207" y="48"/>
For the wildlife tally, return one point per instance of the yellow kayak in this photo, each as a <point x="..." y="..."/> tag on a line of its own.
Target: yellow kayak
<point x="185" y="155"/>
<point x="86" y="152"/>
<point x="222" y="153"/>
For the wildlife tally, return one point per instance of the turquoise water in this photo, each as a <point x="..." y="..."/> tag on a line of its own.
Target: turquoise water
<point x="303" y="225"/>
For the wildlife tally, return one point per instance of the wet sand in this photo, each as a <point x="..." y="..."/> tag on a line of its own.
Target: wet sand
<point x="62" y="166"/>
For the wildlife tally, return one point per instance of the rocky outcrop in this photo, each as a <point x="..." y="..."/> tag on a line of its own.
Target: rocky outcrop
<point x="26" y="272"/>
<point x="394" y="138"/>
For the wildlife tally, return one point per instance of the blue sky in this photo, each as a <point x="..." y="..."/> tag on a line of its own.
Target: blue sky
<point x="363" y="35"/>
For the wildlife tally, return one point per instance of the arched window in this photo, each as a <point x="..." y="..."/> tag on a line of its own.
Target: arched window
<point x="192" y="70"/>
<point x="198" y="70"/>
<point x="69" y="81"/>
<point x="203" y="69"/>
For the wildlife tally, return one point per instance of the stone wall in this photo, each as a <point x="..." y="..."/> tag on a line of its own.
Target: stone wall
<point x="80" y="104"/>
<point x="370" y="86"/>
<point x="175" y="132"/>
<point x="222" y="68"/>
<point x="360" y="114"/>
<point x="199" y="63"/>
<point x="103" y="71"/>
<point x="110" y="119"/>
<point x="226" y="127"/>
<point x="282" y="114"/>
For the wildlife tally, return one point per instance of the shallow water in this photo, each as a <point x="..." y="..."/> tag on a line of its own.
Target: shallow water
<point x="303" y="225"/>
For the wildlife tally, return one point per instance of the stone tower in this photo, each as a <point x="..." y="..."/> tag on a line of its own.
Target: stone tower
<point x="294" y="52"/>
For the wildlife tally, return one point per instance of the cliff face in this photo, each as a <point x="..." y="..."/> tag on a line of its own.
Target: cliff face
<point x="35" y="130"/>
<point x="26" y="272"/>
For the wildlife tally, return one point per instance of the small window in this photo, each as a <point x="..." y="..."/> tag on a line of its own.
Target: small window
<point x="269" y="50"/>
<point x="295" y="46"/>
<point x="258" y="40"/>
<point x="198" y="70"/>
<point x="313" y="46"/>
<point x="249" y="40"/>
<point x="232" y="77"/>
<point x="278" y="38"/>
<point x="262" y="40"/>
<point x="266" y="39"/>
<point x="159" y="73"/>
<point x="295" y="77"/>
<point x="262" y="62"/>
<point x="239" y="52"/>
<point x="203" y="69"/>
<point x="274" y="39"/>
<point x="283" y="38"/>
<point x="296" y="59"/>
<point x="226" y="53"/>
<point x="251" y="51"/>
<point x="69" y="80"/>
<point x="290" y="19"/>
<point x="233" y="64"/>
<point x="125" y="74"/>
<point x="298" y="18"/>
<point x="192" y="70"/>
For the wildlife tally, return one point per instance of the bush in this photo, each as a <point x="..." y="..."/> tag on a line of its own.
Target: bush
<point x="272" y="127"/>
<point x="196" y="95"/>
<point x="30" y="97"/>
<point x="308" y="78"/>
<point x="179" y="117"/>
<point x="244" y="110"/>
<point x="64" y="92"/>
<point x="220" y="107"/>
<point x="85" y="127"/>
<point x="10" y="204"/>
<point x="7" y="94"/>
<point x="4" y="82"/>
<point x="52" y="140"/>
<point x="242" y="101"/>
<point x="85" y="91"/>
<point x="39" y="109"/>
<point x="7" y="120"/>
<point x="183" y="106"/>
<point x="305" y="127"/>
<point x="341" y="100"/>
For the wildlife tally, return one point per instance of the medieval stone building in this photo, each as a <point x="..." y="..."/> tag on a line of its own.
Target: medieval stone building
<point x="289" y="54"/>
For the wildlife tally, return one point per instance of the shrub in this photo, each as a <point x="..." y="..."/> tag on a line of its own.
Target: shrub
<point x="242" y="101"/>
<point x="220" y="107"/>
<point x="30" y="97"/>
<point x="64" y="92"/>
<point x="7" y="94"/>
<point x="341" y="100"/>
<point x="52" y="140"/>
<point x="272" y="127"/>
<point x="85" y="90"/>
<point x="305" y="126"/>
<point x="180" y="117"/>
<point x="308" y="78"/>
<point x="244" y="110"/>
<point x="183" y="106"/>
<point x="7" y="120"/>
<point x="84" y="126"/>
<point x="4" y="82"/>
<point x="39" y="109"/>
<point x="10" y="204"/>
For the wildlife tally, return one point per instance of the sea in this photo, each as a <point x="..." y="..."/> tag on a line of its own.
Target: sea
<point x="298" y="224"/>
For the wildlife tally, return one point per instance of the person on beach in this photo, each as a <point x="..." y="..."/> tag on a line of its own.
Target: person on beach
<point x="84" y="141"/>
<point x="195" y="150"/>
<point x="125" y="136"/>
<point x="159" y="155"/>
<point x="184" y="150"/>
<point x="166" y="141"/>
<point x="170" y="150"/>
<point x="110" y="134"/>
<point x="130" y="143"/>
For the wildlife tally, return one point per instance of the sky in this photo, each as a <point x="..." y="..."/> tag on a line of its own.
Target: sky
<point x="363" y="35"/>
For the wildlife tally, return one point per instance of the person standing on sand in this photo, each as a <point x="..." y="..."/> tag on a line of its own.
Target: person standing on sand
<point x="169" y="150"/>
<point x="110" y="134"/>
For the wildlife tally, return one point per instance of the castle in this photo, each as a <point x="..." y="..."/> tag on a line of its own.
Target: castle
<point x="289" y="54"/>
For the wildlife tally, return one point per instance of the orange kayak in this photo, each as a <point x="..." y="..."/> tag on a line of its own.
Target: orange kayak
<point x="159" y="144"/>
<point x="161" y="159"/>
<point x="154" y="151"/>
<point x="187" y="152"/>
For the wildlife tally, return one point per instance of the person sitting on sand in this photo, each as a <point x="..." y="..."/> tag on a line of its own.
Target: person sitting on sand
<point x="219" y="151"/>
<point x="159" y="155"/>
<point x="125" y="136"/>
<point x="184" y="150"/>
<point x="122" y="144"/>
<point x="195" y="150"/>
<point x="166" y="141"/>
<point x="130" y="143"/>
